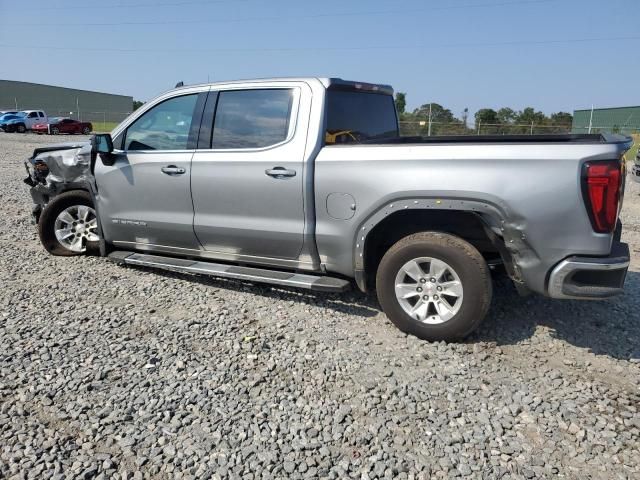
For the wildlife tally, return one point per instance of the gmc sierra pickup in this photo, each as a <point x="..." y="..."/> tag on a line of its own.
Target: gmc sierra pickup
<point x="305" y="182"/>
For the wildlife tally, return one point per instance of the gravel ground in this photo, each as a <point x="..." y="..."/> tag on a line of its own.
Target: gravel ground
<point x="113" y="372"/>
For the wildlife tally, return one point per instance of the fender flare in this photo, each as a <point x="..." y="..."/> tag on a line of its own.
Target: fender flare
<point x="493" y="215"/>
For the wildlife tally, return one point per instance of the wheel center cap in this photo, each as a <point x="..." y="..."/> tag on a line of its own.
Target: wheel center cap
<point x="80" y="229"/>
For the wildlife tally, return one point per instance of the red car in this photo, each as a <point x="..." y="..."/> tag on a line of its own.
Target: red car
<point x="60" y="125"/>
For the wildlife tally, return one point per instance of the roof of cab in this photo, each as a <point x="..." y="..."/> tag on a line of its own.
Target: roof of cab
<point x="328" y="83"/>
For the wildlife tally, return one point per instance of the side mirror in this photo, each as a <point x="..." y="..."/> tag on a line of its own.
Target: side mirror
<point x="102" y="143"/>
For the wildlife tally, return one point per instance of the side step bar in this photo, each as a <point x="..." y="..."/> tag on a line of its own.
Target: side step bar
<point x="287" y="279"/>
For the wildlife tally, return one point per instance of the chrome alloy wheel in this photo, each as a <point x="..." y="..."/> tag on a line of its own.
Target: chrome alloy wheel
<point x="75" y="226"/>
<point x="429" y="290"/>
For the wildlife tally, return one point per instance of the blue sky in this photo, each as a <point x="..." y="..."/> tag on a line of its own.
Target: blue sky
<point x="460" y="53"/>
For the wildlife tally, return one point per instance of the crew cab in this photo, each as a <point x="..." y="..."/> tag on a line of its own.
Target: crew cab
<point x="305" y="182"/>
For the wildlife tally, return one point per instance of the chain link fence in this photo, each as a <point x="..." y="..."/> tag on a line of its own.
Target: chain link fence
<point x="423" y="128"/>
<point x="632" y="130"/>
<point x="101" y="121"/>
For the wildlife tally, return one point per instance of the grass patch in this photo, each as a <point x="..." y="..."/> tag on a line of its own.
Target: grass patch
<point x="631" y="154"/>
<point x="104" y="127"/>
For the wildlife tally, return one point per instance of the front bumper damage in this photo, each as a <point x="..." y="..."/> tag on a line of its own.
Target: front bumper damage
<point x="55" y="169"/>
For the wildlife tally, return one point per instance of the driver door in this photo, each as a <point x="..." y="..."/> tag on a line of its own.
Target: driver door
<point x="144" y="198"/>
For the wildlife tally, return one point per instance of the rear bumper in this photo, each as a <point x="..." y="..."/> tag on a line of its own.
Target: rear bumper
<point x="591" y="277"/>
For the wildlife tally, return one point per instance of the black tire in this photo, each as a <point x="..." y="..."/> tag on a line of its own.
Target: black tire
<point x="10" y="129"/>
<point x="46" y="224"/>
<point x="55" y="130"/>
<point x="21" y="128"/>
<point x="470" y="267"/>
<point x="86" y="130"/>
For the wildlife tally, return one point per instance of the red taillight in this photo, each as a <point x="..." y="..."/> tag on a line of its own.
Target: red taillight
<point x="602" y="182"/>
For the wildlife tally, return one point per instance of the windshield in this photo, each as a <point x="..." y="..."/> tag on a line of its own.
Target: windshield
<point x="56" y="119"/>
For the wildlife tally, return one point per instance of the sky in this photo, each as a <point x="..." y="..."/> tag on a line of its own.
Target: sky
<point x="553" y="55"/>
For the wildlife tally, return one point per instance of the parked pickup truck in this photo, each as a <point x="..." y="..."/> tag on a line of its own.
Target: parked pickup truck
<point x="306" y="183"/>
<point x="22" y="121"/>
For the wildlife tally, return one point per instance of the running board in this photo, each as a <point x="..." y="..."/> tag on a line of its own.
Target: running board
<point x="287" y="279"/>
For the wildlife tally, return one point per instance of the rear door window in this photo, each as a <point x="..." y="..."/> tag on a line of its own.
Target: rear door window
<point x="252" y="118"/>
<point x="354" y="117"/>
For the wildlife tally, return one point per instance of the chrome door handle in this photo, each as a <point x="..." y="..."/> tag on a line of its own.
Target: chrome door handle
<point x="173" y="170"/>
<point x="280" y="172"/>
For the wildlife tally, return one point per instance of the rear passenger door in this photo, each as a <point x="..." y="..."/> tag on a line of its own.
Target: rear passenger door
<point x="247" y="181"/>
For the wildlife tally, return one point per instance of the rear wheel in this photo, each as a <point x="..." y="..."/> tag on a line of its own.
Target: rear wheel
<point x="435" y="286"/>
<point x="68" y="225"/>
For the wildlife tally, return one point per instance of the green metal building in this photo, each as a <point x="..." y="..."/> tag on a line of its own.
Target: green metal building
<point x="624" y="120"/>
<point x="68" y="102"/>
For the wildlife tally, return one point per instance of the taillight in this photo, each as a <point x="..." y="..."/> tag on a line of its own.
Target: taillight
<point x="602" y="186"/>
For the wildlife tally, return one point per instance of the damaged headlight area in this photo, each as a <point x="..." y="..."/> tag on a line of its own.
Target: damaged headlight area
<point x="55" y="169"/>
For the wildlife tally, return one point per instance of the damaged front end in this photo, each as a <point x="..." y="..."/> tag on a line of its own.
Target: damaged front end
<point x="55" y="169"/>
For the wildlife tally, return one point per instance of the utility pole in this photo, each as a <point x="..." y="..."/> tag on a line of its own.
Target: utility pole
<point x="78" y="109"/>
<point x="429" y="134"/>
<point x="591" y="119"/>
<point x="15" y="99"/>
<point x="531" y="127"/>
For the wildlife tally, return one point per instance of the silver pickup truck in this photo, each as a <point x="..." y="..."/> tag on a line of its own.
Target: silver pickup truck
<point x="305" y="182"/>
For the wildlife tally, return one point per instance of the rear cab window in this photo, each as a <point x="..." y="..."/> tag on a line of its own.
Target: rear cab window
<point x="358" y="116"/>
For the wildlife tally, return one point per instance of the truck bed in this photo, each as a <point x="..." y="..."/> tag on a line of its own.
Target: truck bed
<point x="519" y="139"/>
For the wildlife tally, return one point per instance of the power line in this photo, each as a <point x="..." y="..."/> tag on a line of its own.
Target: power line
<point x="290" y="17"/>
<point x="325" y="48"/>
<point x="138" y="5"/>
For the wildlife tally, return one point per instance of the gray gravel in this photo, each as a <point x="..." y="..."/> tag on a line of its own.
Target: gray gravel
<point x="113" y="372"/>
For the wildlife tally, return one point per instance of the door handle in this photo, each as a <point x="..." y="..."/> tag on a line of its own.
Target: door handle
<point x="280" y="172"/>
<point x="173" y="170"/>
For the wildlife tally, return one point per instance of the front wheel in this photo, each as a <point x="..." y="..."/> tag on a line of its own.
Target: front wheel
<point x="86" y="130"/>
<point x="435" y="286"/>
<point x="68" y="225"/>
<point x="55" y="130"/>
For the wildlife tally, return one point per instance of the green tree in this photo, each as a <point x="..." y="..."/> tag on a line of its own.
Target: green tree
<point x="506" y="116"/>
<point x="439" y="114"/>
<point x="401" y="102"/>
<point x="486" y="116"/>
<point x="486" y="120"/>
<point x="529" y="115"/>
<point x="137" y="104"/>
<point x="562" y="118"/>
